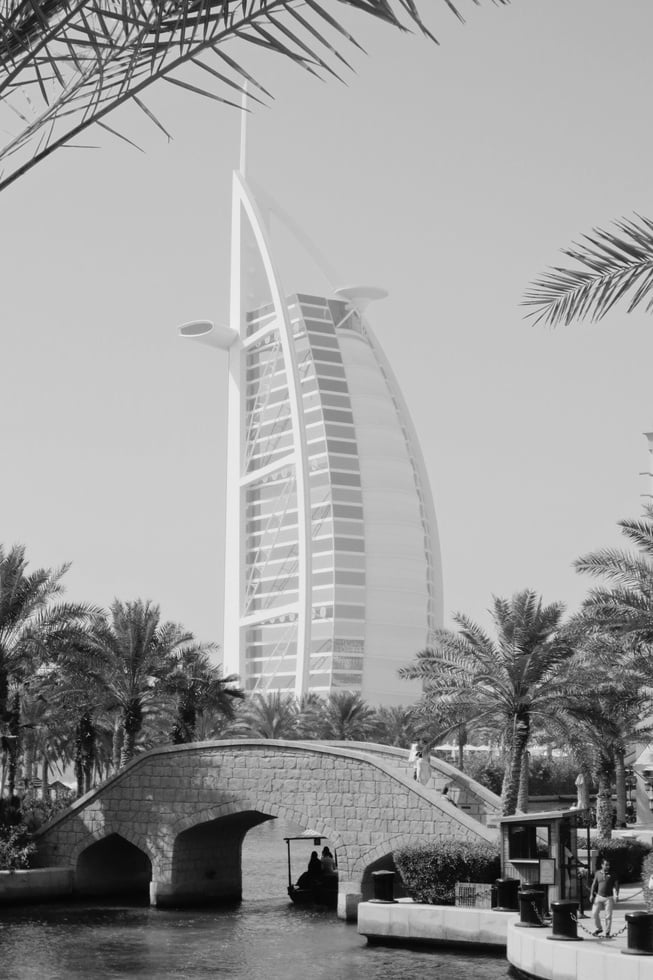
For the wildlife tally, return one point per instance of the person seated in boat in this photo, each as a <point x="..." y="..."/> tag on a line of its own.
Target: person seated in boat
<point x="315" y="866"/>
<point x="328" y="863"/>
<point x="312" y="874"/>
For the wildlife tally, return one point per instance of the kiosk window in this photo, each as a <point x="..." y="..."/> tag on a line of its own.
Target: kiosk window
<point x="528" y="842"/>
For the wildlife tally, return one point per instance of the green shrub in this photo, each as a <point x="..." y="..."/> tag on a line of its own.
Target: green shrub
<point x="546" y="776"/>
<point x="430" y="871"/>
<point x="625" y="856"/>
<point x="16" y="848"/>
<point x="35" y="813"/>
<point x="551" y="776"/>
<point x="486" y="771"/>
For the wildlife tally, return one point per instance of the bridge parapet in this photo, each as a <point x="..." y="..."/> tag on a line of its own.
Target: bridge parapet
<point x="469" y="795"/>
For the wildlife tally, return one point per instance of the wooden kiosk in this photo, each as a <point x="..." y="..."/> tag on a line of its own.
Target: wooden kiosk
<point x="540" y="849"/>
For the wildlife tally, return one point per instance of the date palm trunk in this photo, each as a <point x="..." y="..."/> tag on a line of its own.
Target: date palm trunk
<point x="510" y="789"/>
<point x="524" y="773"/>
<point x="604" y="803"/>
<point x="620" y="787"/>
<point x="45" y="778"/>
<point x="462" y="742"/>
<point x="583" y="788"/>
<point x="116" y="743"/>
<point x="132" y="722"/>
<point x="14" y="743"/>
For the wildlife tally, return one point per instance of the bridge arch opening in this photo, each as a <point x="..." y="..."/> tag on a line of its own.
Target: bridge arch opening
<point x="207" y="860"/>
<point x="113" y="866"/>
<point x="384" y="863"/>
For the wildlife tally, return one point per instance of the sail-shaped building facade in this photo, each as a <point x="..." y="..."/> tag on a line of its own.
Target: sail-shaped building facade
<point x="333" y="577"/>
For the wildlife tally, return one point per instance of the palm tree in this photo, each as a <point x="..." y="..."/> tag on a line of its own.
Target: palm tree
<point x="625" y="605"/>
<point x="198" y="687"/>
<point x="309" y="714"/>
<point x="508" y="685"/>
<point x="267" y="716"/>
<point x="65" y="66"/>
<point x="133" y="653"/>
<point x="33" y="629"/>
<point x="612" y="265"/>
<point x="346" y="717"/>
<point x="607" y="713"/>
<point x="74" y="688"/>
<point x="394" y="726"/>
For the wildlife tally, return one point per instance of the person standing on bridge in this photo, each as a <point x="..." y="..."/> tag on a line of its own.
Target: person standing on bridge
<point x="422" y="772"/>
<point x="413" y="757"/>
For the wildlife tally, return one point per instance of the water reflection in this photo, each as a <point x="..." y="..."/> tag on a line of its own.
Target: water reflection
<point x="258" y="941"/>
<point x="264" y="938"/>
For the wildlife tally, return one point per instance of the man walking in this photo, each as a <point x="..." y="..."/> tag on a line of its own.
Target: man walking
<point x="603" y="894"/>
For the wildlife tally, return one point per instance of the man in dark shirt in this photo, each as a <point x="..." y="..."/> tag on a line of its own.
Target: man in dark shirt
<point x="604" y="893"/>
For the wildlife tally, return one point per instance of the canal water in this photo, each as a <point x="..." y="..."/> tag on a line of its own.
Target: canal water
<point x="263" y="938"/>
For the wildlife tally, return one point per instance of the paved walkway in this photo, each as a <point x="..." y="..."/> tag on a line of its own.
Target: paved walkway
<point x="631" y="899"/>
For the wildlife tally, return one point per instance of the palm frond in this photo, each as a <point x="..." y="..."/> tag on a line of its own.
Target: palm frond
<point x="615" y="565"/>
<point x="613" y="265"/>
<point x="640" y="530"/>
<point x="66" y="64"/>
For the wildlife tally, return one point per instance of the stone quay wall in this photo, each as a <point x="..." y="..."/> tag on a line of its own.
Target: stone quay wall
<point x="35" y="885"/>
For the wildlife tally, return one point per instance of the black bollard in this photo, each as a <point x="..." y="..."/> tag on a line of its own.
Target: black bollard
<point x="531" y="908"/>
<point x="640" y="934"/>
<point x="564" y="921"/>
<point x="383" y="882"/>
<point x="506" y="895"/>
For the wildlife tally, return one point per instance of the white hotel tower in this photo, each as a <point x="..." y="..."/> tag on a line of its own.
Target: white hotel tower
<point x="333" y="577"/>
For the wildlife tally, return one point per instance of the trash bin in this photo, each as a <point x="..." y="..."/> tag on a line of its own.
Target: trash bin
<point x="640" y="933"/>
<point x="564" y="921"/>
<point x="531" y="908"/>
<point x="506" y="895"/>
<point x="383" y="882"/>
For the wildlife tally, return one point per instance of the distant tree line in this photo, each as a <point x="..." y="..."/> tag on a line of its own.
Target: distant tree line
<point x="84" y="688"/>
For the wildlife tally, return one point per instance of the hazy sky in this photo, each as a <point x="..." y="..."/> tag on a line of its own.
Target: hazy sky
<point x="449" y="175"/>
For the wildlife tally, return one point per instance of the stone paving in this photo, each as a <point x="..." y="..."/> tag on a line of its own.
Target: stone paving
<point x="534" y="953"/>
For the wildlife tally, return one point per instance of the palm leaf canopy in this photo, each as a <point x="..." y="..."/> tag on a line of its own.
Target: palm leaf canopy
<point x="132" y="650"/>
<point x="65" y="64"/>
<point x="32" y="626"/>
<point x="612" y="265"/>
<point x="491" y="681"/>
<point x="271" y="715"/>
<point x="625" y="603"/>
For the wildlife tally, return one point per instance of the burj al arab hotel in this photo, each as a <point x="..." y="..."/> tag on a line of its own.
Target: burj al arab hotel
<point x="333" y="577"/>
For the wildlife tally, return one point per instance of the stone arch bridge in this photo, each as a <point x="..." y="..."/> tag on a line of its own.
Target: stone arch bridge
<point x="175" y="818"/>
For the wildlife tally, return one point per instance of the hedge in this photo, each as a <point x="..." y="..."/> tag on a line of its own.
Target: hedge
<point x="625" y="856"/>
<point x="16" y="848"/>
<point x="430" y="871"/>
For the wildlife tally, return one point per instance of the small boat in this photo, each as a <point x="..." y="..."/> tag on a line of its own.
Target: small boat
<point x="317" y="891"/>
